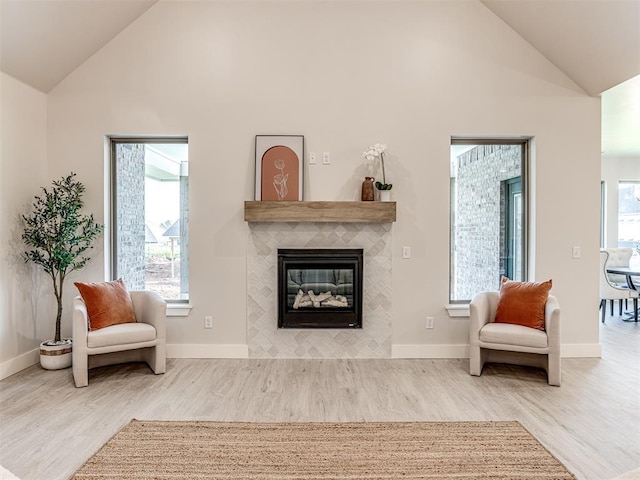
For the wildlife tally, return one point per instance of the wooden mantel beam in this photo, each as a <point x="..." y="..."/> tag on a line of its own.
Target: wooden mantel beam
<point x="348" y="212"/>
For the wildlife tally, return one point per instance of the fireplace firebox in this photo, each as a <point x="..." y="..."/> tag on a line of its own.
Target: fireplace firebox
<point x="320" y="288"/>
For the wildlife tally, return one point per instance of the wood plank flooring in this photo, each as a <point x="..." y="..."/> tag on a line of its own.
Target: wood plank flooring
<point x="48" y="428"/>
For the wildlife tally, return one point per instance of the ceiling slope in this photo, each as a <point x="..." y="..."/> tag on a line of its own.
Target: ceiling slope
<point x="43" y="41"/>
<point x="595" y="42"/>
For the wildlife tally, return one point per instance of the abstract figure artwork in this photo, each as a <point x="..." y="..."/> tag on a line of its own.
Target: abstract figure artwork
<point x="280" y="180"/>
<point x="278" y="163"/>
<point x="279" y="167"/>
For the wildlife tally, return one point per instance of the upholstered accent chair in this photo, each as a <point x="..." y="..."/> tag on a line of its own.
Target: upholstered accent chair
<point x="141" y="341"/>
<point x="510" y="343"/>
<point x="611" y="291"/>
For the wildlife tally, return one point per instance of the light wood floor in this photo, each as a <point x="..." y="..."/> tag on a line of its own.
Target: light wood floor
<point x="48" y="428"/>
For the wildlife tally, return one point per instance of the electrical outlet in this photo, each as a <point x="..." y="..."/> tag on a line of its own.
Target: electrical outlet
<point x="575" y="253"/>
<point x="208" y="321"/>
<point x="326" y="158"/>
<point x="429" y="323"/>
<point x="406" y="252"/>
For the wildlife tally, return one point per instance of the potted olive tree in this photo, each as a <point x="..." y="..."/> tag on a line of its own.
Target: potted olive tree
<point x="57" y="235"/>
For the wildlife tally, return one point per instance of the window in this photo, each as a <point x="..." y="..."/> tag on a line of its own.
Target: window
<point x="150" y="215"/>
<point x="512" y="237"/>
<point x="629" y="214"/>
<point x="488" y="220"/>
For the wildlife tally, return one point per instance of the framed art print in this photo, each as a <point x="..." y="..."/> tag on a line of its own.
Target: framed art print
<point x="279" y="167"/>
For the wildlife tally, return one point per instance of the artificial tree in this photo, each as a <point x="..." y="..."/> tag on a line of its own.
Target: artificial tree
<point x="57" y="234"/>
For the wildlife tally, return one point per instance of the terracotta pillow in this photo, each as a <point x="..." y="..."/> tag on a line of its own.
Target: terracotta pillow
<point x="108" y="303"/>
<point x="522" y="303"/>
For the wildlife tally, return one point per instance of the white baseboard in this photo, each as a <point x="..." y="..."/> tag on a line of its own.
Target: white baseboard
<point x="19" y="363"/>
<point x="569" y="350"/>
<point x="179" y="350"/>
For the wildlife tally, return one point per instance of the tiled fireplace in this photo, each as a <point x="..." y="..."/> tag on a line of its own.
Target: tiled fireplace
<point x="266" y="340"/>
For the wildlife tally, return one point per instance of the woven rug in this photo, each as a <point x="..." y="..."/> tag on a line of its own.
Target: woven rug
<point x="287" y="451"/>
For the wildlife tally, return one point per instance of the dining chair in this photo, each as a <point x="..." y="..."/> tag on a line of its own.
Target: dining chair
<point x="618" y="257"/>
<point x="609" y="291"/>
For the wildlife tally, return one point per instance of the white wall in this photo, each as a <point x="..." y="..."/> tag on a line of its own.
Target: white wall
<point x="345" y="75"/>
<point x="615" y="170"/>
<point x="25" y="319"/>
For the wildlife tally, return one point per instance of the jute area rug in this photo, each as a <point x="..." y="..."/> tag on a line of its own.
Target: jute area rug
<point x="286" y="451"/>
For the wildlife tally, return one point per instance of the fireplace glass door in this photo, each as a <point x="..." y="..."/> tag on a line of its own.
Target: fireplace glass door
<point x="320" y="288"/>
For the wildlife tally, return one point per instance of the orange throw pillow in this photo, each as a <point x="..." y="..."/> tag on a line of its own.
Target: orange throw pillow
<point x="522" y="303"/>
<point x="108" y="303"/>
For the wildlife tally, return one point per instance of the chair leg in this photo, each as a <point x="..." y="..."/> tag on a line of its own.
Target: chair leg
<point x="620" y="309"/>
<point x="635" y="309"/>
<point x="156" y="358"/>
<point x="80" y="368"/>
<point x="611" y="305"/>
<point x="603" y="307"/>
<point x="553" y="370"/>
<point x="476" y="360"/>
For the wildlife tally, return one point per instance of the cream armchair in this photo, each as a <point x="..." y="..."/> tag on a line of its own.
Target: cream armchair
<point x="144" y="340"/>
<point x="516" y="344"/>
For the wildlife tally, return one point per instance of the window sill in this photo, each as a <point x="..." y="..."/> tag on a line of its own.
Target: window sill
<point x="178" y="309"/>
<point x="458" y="309"/>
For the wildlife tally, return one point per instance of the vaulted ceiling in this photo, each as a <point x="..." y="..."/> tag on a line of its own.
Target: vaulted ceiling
<point x="595" y="42"/>
<point x="43" y="41"/>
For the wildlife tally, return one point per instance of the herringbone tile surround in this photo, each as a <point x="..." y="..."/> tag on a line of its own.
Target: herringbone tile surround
<point x="267" y="341"/>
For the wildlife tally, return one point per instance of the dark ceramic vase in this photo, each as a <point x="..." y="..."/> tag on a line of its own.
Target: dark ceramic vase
<point x="368" y="191"/>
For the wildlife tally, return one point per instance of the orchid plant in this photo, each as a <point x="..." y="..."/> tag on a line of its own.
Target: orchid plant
<point x="371" y="154"/>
